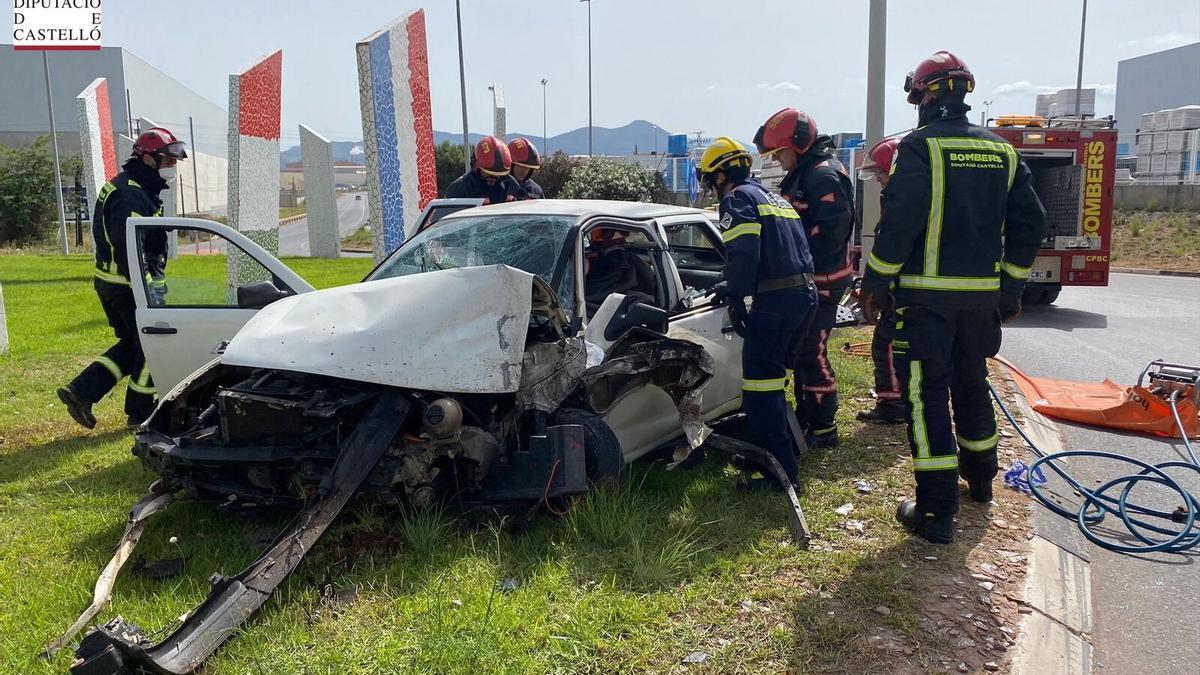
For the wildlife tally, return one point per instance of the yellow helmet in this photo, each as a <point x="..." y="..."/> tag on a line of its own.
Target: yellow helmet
<point x="722" y="154"/>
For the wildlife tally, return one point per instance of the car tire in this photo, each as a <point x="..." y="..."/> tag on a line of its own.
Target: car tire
<point x="1034" y="294"/>
<point x="1051" y="295"/>
<point x="602" y="450"/>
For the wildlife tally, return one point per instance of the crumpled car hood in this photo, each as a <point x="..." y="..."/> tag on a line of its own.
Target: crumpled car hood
<point x="458" y="331"/>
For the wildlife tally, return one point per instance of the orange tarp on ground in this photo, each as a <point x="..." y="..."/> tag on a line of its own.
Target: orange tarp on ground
<point x="1107" y="404"/>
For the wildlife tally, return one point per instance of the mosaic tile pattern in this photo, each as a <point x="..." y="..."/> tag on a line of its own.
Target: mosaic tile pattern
<point x="3" y="325"/>
<point x="393" y="77"/>
<point x="96" y="137"/>
<point x="317" y="154"/>
<point x="254" y="124"/>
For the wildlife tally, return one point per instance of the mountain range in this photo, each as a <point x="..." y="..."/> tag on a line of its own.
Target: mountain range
<point x="638" y="136"/>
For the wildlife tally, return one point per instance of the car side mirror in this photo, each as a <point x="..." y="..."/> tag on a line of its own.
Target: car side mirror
<point x="258" y="295"/>
<point x="633" y="314"/>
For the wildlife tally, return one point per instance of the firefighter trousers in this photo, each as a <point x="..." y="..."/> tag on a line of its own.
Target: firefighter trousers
<point x="124" y="359"/>
<point x="941" y="356"/>
<point x="776" y="321"/>
<point x="816" y="383"/>
<point x="887" y="382"/>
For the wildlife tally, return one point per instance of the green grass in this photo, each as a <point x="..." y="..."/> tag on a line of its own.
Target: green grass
<point x="630" y="581"/>
<point x="360" y="238"/>
<point x="1157" y="240"/>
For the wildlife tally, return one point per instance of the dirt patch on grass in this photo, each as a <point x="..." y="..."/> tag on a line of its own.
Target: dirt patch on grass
<point x="1156" y="240"/>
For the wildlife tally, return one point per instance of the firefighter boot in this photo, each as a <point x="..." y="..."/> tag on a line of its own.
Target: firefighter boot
<point x="816" y="439"/>
<point x="884" y="412"/>
<point x="981" y="490"/>
<point x="937" y="529"/>
<point x="79" y="408"/>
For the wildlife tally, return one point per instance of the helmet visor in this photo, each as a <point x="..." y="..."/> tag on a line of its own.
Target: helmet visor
<point x="869" y="173"/>
<point x="175" y="150"/>
<point x="908" y="82"/>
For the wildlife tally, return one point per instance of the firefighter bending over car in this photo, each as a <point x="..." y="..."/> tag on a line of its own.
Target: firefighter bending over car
<point x="889" y="404"/>
<point x="767" y="258"/>
<point x="130" y="194"/>
<point x="960" y="227"/>
<point x="525" y="161"/>
<point x="488" y="178"/>
<point x="819" y="190"/>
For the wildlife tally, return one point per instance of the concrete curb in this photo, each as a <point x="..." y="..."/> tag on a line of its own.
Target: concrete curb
<point x="1055" y="637"/>
<point x="1153" y="272"/>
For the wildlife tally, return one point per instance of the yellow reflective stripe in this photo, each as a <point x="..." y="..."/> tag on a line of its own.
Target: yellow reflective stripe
<point x="141" y="389"/>
<point x="934" y="283"/>
<point x="110" y="278"/>
<point x="880" y="265"/>
<point x="740" y="229"/>
<point x="133" y="182"/>
<point x="776" y="384"/>
<point x="778" y="211"/>
<point x="967" y="143"/>
<point x="919" y="433"/>
<point x="933" y="231"/>
<point x="1015" y="271"/>
<point x="105" y="193"/>
<point x="144" y="377"/>
<point x="822" y="432"/>
<point x="988" y="443"/>
<point x="1011" y="153"/>
<point x="944" y="463"/>
<point x="111" y="366"/>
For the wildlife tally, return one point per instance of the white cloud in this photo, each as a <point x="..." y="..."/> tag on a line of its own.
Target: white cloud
<point x="710" y="87"/>
<point x="1027" y="88"/>
<point x="1159" y="42"/>
<point x="780" y="86"/>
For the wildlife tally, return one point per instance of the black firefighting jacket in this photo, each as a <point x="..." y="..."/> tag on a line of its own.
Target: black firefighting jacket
<point x="960" y="220"/>
<point x="822" y="193"/>
<point x="527" y="189"/>
<point x="130" y="194"/>
<point x="763" y="237"/>
<point x="471" y="185"/>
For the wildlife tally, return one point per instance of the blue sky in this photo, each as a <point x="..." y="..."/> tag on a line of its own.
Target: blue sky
<point x="687" y="65"/>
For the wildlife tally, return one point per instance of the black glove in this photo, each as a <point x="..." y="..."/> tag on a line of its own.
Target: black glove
<point x="737" y="315"/>
<point x="720" y="291"/>
<point x="876" y="298"/>
<point x="1010" y="305"/>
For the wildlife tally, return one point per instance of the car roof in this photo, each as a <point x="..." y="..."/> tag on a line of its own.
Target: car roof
<point x="580" y="208"/>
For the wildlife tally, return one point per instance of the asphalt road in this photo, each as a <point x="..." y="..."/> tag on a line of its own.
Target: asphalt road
<point x="1144" y="608"/>
<point x="352" y="213"/>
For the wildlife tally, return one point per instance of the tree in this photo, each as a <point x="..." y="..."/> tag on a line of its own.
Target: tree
<point x="555" y="171"/>
<point x="602" y="178"/>
<point x="27" y="204"/>
<point x="448" y="157"/>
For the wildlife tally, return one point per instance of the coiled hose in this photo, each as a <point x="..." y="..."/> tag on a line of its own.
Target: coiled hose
<point x="1159" y="531"/>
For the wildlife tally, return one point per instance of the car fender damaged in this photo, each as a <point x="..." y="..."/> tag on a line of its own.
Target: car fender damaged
<point x="642" y="357"/>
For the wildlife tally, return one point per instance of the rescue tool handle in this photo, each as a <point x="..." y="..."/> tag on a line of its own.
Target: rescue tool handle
<point x="159" y="330"/>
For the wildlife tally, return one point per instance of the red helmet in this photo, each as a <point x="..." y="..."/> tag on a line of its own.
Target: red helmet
<point x="524" y="153"/>
<point x="933" y="71"/>
<point x="879" y="158"/>
<point x="160" y="143"/>
<point x="788" y="128"/>
<point x="491" y="156"/>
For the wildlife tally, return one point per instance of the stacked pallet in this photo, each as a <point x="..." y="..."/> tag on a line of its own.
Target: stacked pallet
<point x="1168" y="147"/>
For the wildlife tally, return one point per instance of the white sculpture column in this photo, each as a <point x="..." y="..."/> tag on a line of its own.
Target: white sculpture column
<point x="96" y="137"/>
<point x="320" y="199"/>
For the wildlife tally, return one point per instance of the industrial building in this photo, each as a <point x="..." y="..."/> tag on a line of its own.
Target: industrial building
<point x="1153" y="82"/>
<point x="137" y="89"/>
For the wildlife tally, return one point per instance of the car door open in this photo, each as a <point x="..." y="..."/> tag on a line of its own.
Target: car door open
<point x="185" y="318"/>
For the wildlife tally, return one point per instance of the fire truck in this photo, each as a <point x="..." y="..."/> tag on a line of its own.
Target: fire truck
<point x="1073" y="163"/>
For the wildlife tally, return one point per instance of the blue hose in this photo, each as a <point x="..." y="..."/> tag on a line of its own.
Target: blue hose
<point x="1159" y="531"/>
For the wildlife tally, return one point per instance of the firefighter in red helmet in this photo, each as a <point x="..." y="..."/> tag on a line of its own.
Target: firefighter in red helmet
<point x="820" y="190"/>
<point x="525" y="160"/>
<point x="960" y="227"/>
<point x="889" y="408"/>
<point x="130" y="194"/>
<point x="488" y="178"/>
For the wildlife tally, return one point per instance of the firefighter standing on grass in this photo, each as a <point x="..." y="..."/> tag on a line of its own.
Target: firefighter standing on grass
<point x="960" y="227"/>
<point x="819" y="189"/>
<point x="130" y="194"/>
<point x="889" y="406"/>
<point x="766" y="257"/>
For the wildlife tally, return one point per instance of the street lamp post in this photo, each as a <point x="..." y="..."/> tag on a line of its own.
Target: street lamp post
<point x="544" y="81"/>
<point x="589" y="4"/>
<point x="983" y="116"/>
<point x="1079" y="74"/>
<point x="462" y="85"/>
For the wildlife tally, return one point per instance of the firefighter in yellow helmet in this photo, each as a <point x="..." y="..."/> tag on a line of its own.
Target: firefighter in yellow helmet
<point x="766" y="258"/>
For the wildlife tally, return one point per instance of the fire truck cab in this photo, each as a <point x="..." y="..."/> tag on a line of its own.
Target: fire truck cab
<point x="1074" y="166"/>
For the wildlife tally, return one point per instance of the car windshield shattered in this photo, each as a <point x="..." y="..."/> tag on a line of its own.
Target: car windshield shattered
<point x="531" y="243"/>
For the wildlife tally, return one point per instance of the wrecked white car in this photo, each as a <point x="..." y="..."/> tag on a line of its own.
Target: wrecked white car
<point x="514" y="352"/>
